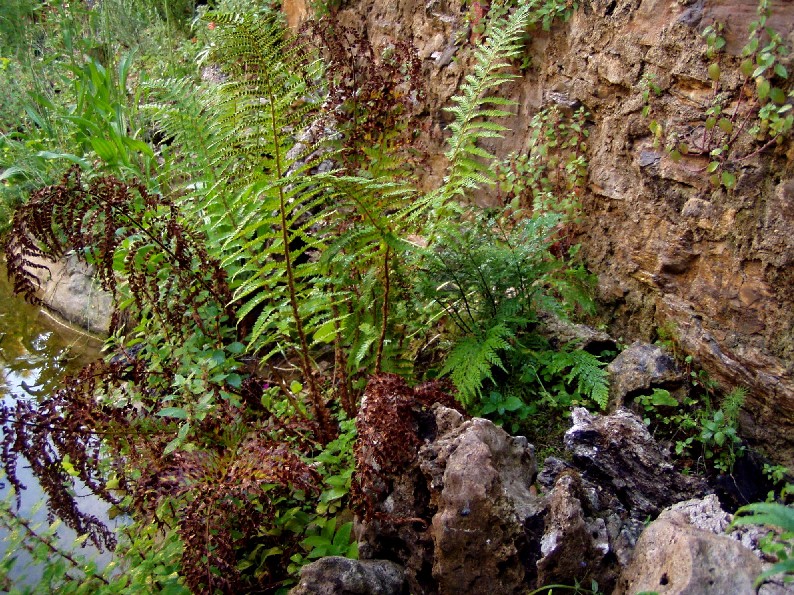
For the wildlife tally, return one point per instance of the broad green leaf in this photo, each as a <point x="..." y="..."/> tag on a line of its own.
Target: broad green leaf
<point x="725" y="125"/>
<point x="762" y="88"/>
<point x="728" y="179"/>
<point x="176" y="412"/>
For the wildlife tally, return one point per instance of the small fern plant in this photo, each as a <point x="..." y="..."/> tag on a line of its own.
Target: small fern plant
<point x="491" y="276"/>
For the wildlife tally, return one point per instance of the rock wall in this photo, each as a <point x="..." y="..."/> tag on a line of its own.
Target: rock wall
<point x="715" y="267"/>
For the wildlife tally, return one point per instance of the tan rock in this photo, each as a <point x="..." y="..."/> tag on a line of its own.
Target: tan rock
<point x="674" y="558"/>
<point x="69" y="288"/>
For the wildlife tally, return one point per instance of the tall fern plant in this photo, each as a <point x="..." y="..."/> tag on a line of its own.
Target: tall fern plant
<point x="263" y="204"/>
<point x="475" y="106"/>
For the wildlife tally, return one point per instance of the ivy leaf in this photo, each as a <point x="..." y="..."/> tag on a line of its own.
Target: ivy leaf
<point x="762" y="87"/>
<point x="728" y="180"/>
<point x="725" y="125"/>
<point x="777" y="95"/>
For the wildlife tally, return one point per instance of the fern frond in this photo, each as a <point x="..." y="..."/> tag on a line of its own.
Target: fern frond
<point x="583" y="368"/>
<point x="473" y="105"/>
<point x="179" y="109"/>
<point x="472" y="360"/>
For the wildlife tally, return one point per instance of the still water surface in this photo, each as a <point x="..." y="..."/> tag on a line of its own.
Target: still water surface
<point x="36" y="350"/>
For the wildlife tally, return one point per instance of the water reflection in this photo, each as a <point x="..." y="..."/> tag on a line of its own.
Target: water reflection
<point x="36" y="350"/>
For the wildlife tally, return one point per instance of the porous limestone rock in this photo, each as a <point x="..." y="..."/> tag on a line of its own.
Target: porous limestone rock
<point x="707" y="514"/>
<point x="480" y="481"/>
<point x="675" y="558"/>
<point x="460" y="519"/>
<point x="575" y="542"/>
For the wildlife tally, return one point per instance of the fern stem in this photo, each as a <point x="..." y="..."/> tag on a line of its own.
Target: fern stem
<point x="384" y="312"/>
<point x="340" y="367"/>
<point x="320" y="410"/>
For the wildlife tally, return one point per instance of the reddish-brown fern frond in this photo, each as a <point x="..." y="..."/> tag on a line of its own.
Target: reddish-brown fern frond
<point x="167" y="267"/>
<point x="388" y="435"/>
<point x="72" y="425"/>
<point x="371" y="97"/>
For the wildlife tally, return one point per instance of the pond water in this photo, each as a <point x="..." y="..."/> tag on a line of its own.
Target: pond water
<point x="36" y="350"/>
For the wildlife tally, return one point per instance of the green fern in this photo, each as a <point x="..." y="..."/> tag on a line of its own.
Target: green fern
<point x="270" y="213"/>
<point x="473" y="358"/>
<point x="776" y="515"/>
<point x="180" y="109"/>
<point x="582" y="368"/>
<point x="474" y="109"/>
<point x="263" y="206"/>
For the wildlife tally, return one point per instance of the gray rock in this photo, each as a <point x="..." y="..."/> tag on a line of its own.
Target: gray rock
<point x="705" y="514"/>
<point x="618" y="453"/>
<point x="574" y="544"/>
<point x="335" y="575"/>
<point x="640" y="367"/>
<point x="69" y="288"/>
<point x="561" y="332"/>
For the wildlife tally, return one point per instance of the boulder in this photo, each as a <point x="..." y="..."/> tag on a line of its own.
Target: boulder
<point x="706" y="514"/>
<point x="640" y="367"/>
<point x="575" y="542"/>
<point x="617" y="453"/>
<point x="480" y="482"/>
<point x="463" y="516"/>
<point x="68" y="287"/>
<point x="335" y="575"/>
<point x="564" y="332"/>
<point x="673" y="557"/>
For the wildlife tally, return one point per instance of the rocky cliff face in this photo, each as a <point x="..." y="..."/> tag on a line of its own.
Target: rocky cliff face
<point x="714" y="267"/>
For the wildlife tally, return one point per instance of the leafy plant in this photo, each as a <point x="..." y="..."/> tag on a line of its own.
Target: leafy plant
<point x="373" y="98"/>
<point x="580" y="378"/>
<point x="492" y="277"/>
<point x="719" y="434"/>
<point x="550" y="175"/>
<point x="738" y="124"/>
<point x="694" y="422"/>
<point x="778" y="543"/>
